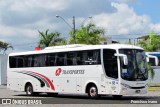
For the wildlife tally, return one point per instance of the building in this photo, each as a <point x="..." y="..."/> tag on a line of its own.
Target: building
<point x="3" y="69"/>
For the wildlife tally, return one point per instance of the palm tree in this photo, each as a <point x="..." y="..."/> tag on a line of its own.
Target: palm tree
<point x="89" y="34"/>
<point x="50" y="39"/>
<point x="4" y="46"/>
<point x="57" y="40"/>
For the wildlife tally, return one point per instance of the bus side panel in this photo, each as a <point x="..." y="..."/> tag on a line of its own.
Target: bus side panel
<point x="68" y="85"/>
<point x="17" y="81"/>
<point x="79" y="85"/>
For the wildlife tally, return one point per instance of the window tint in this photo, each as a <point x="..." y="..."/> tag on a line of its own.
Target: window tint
<point x="91" y="57"/>
<point x="72" y="58"/>
<point x="19" y="61"/>
<point x="61" y="59"/>
<point x="51" y="60"/>
<point x="110" y="63"/>
<point x="87" y="57"/>
<point x="39" y="60"/>
<point x="152" y="61"/>
<point x="12" y="62"/>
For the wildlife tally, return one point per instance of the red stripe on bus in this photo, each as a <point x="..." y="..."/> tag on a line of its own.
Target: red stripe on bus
<point x="48" y="80"/>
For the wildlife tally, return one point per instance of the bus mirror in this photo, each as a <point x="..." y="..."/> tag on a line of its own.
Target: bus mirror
<point x="124" y="57"/>
<point x="153" y="57"/>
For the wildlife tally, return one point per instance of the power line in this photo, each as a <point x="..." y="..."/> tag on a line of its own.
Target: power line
<point x="24" y="44"/>
<point x="113" y="36"/>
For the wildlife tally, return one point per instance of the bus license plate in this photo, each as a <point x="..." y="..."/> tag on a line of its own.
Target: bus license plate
<point x="137" y="91"/>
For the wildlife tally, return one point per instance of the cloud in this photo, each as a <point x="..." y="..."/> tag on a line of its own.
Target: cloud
<point x="125" y="21"/>
<point x="34" y="4"/>
<point x="20" y="20"/>
<point x="155" y="27"/>
<point x="126" y="1"/>
<point x="20" y="12"/>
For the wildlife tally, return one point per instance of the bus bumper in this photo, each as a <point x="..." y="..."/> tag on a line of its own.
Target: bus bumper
<point x="129" y="91"/>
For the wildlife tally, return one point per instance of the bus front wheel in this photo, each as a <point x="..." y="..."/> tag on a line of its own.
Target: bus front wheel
<point x="93" y="92"/>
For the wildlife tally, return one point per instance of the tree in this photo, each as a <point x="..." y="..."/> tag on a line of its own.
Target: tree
<point x="89" y="34"/>
<point x="50" y="39"/>
<point x="151" y="71"/>
<point x="4" y="46"/>
<point x="153" y="44"/>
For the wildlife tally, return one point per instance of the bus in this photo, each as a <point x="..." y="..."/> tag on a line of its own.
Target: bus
<point x="114" y="69"/>
<point x="152" y="59"/>
<point x="155" y="81"/>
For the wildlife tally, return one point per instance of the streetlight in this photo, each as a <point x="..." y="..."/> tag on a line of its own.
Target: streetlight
<point x="74" y="29"/>
<point x="90" y="17"/>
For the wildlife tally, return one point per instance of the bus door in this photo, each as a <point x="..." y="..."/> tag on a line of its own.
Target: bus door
<point x="111" y="71"/>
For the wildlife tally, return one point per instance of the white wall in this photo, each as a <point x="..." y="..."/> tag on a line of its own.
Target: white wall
<point x="3" y="69"/>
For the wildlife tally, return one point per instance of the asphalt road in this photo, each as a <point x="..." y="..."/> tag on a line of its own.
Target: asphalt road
<point x="151" y="97"/>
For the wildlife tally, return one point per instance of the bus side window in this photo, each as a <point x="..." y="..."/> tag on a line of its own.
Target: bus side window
<point x="30" y="61"/>
<point x="12" y="62"/>
<point x="79" y="57"/>
<point x="20" y="62"/>
<point x="70" y="58"/>
<point x="91" y="57"/>
<point x="51" y="60"/>
<point x="39" y="60"/>
<point x="61" y="59"/>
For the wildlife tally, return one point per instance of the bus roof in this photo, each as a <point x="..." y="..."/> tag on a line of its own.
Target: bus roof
<point x="76" y="47"/>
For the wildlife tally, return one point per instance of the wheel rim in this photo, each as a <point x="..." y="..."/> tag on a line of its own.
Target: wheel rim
<point x="93" y="91"/>
<point x="29" y="90"/>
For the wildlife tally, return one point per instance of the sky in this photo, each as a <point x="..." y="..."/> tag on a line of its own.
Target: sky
<point x="20" y="20"/>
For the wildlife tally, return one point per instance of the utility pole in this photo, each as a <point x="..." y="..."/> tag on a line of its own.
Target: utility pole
<point x="72" y="27"/>
<point x="74" y="30"/>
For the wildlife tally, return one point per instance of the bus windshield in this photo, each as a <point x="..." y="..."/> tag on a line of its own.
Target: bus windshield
<point x="137" y="69"/>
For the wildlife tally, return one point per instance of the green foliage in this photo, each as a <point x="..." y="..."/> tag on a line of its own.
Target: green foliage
<point x="89" y="34"/>
<point x="4" y="46"/>
<point x="50" y="39"/>
<point x="151" y="71"/>
<point x="153" y="44"/>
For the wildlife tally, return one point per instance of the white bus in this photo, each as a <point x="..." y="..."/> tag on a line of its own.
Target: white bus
<point x="114" y="69"/>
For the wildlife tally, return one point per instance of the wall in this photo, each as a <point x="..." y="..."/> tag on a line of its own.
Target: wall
<point x="3" y="69"/>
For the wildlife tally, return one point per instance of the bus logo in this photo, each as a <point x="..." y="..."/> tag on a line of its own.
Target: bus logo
<point x="58" y="71"/>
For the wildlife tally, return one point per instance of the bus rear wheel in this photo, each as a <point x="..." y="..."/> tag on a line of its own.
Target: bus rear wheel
<point x="29" y="90"/>
<point x="93" y="92"/>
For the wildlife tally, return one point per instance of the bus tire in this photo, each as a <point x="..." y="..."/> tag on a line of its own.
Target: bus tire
<point x="29" y="90"/>
<point x="93" y="92"/>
